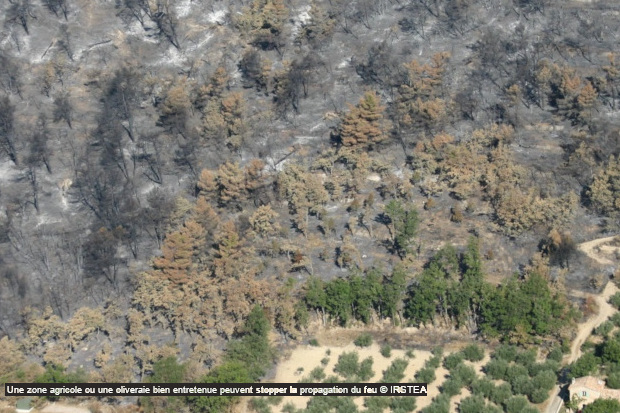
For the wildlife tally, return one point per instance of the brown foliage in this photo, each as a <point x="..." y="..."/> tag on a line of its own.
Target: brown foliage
<point x="364" y="125"/>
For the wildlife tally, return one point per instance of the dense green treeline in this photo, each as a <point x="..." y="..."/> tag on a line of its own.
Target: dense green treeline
<point x="451" y="290"/>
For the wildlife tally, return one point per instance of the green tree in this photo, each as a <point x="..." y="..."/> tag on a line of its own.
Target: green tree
<point x="348" y="365"/>
<point x="395" y="372"/>
<point x="584" y="365"/>
<point x="613" y="380"/>
<point x="501" y="393"/>
<point x="394" y="288"/>
<point x="252" y="349"/>
<point x="472" y="404"/>
<point x="515" y="404"/>
<point x="56" y="374"/>
<point x="427" y="295"/>
<point x="403" y="226"/>
<point x="483" y="387"/>
<point x="339" y="300"/>
<point x="363" y="340"/>
<point x="611" y="351"/>
<point x="315" y="296"/>
<point x="229" y="372"/>
<point x="166" y="370"/>
<point x="603" y="406"/>
<point x="473" y="353"/>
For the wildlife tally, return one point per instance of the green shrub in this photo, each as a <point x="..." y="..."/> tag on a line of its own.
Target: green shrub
<point x="289" y="408"/>
<point x="549" y="365"/>
<point x="611" y="351"/>
<point x="364" y="340"/>
<point x="501" y="393"/>
<point x="538" y="396"/>
<point x="489" y="408"/>
<point x="386" y="351"/>
<point x="402" y="404"/>
<point x="473" y="352"/>
<point x="584" y="366"/>
<point x="496" y="369"/>
<point x="604" y="329"/>
<point x="452" y="360"/>
<point x="395" y="372"/>
<point x="434" y="362"/>
<point x="332" y="379"/>
<point x="425" y="375"/>
<point x="482" y="387"/>
<point x="556" y="354"/>
<point x="464" y="373"/>
<point x="615" y="319"/>
<point x="437" y="352"/>
<point x="228" y="372"/>
<point x="365" y="371"/>
<point x="615" y="300"/>
<point x="56" y="374"/>
<point x="522" y="385"/>
<point x="348" y="365"/>
<point x="410" y="354"/>
<point x="603" y="406"/>
<point x="317" y="374"/>
<point x="314" y="342"/>
<point x="612" y="368"/>
<point x="506" y="352"/>
<point x="376" y="403"/>
<point x="259" y="405"/>
<point x="587" y="346"/>
<point x="472" y="404"/>
<point x="544" y="380"/>
<point x="526" y="358"/>
<point x="325" y="361"/>
<point x="515" y="404"/>
<point x="440" y="404"/>
<point x="274" y="400"/>
<point x="451" y="387"/>
<point x="514" y="371"/>
<point x="613" y="380"/>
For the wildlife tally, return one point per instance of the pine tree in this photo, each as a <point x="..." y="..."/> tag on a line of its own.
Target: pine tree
<point x="231" y="183"/>
<point x="364" y="126"/>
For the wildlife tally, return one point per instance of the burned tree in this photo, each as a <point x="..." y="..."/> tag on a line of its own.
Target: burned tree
<point x="21" y="11"/>
<point x="63" y="109"/>
<point x="7" y="129"/>
<point x="57" y="7"/>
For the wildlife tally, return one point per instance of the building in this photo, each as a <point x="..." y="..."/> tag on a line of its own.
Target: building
<point x="589" y="388"/>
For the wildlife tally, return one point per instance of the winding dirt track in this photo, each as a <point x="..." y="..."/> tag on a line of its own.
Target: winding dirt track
<point x="605" y="310"/>
<point x="589" y="249"/>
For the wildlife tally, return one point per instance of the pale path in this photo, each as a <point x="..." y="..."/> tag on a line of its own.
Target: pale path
<point x="588" y="248"/>
<point x="605" y="310"/>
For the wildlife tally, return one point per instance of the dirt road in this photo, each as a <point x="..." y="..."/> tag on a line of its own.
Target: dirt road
<point x="605" y="310"/>
<point x="590" y="246"/>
